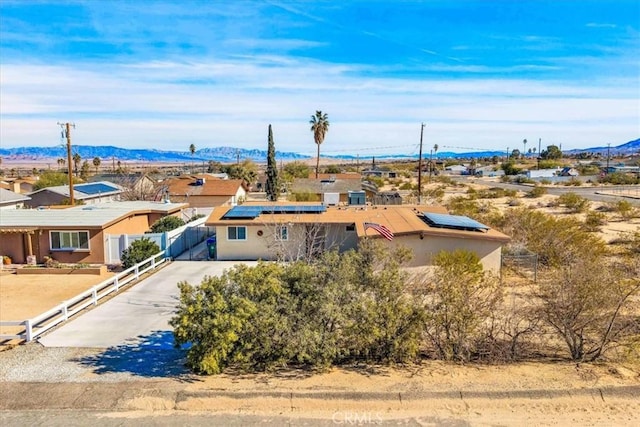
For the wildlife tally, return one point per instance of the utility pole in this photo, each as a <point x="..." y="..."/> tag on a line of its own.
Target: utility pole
<point x="237" y="156"/>
<point x="66" y="132"/>
<point x="420" y="167"/>
<point x="608" y="150"/>
<point x="539" y="147"/>
<point x="430" y="164"/>
<point x="507" y="154"/>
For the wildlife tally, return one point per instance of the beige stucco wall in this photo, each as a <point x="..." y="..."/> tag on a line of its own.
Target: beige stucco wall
<point x="135" y="224"/>
<point x="95" y="254"/>
<point x="11" y="245"/>
<point x="267" y="248"/>
<point x="424" y="250"/>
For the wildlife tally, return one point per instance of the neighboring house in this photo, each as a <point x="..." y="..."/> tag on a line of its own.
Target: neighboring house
<point x="542" y="173"/>
<point x="138" y="186"/>
<point x="19" y="185"/>
<point x="202" y="191"/>
<point x="290" y="231"/>
<point x="334" y="176"/>
<point x="380" y="172"/>
<point x="489" y="171"/>
<point x="76" y="234"/>
<point x="387" y="198"/>
<point x="11" y="200"/>
<point x="96" y="192"/>
<point x="567" y="171"/>
<point x="456" y="169"/>
<point x="319" y="187"/>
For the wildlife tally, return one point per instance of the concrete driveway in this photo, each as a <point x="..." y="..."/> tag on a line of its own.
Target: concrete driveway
<point x="140" y="312"/>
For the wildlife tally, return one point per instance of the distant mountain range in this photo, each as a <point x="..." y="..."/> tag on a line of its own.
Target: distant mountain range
<point x="230" y="154"/>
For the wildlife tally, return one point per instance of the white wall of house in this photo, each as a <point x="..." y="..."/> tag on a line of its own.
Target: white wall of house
<point x="262" y="241"/>
<point x="424" y="250"/>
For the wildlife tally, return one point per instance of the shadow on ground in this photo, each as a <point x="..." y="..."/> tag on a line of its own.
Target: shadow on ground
<point x="151" y="355"/>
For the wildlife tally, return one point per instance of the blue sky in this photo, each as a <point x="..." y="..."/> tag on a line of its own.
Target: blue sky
<point x="482" y="74"/>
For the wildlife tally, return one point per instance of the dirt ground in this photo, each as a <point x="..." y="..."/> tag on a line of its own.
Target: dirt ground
<point x="25" y="296"/>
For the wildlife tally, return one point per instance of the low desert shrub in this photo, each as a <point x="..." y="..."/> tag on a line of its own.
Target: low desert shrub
<point x="574" y="202"/>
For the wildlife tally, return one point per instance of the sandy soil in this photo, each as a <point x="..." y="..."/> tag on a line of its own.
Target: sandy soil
<point x="523" y="394"/>
<point x="25" y="296"/>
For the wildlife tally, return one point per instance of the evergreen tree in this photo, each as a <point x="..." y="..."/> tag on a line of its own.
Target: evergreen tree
<point x="271" y="186"/>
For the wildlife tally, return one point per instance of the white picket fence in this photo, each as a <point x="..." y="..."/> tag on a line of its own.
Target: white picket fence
<point x="38" y="325"/>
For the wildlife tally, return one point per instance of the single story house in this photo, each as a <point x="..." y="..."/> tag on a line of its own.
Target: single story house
<point x="319" y="187"/>
<point x="381" y="172"/>
<point x="76" y="234"/>
<point x="202" y="191"/>
<point x="137" y="186"/>
<point x="11" y="200"/>
<point x="91" y="193"/>
<point x="19" y="185"/>
<point x="271" y="231"/>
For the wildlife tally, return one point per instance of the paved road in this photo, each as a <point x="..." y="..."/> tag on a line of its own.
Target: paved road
<point x="590" y="193"/>
<point x="142" y="311"/>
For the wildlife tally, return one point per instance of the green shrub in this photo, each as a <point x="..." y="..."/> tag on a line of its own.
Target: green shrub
<point x="435" y="193"/>
<point x="537" y="192"/>
<point x="549" y="164"/>
<point x="594" y="220"/>
<point x="304" y="197"/>
<point x="575" y="182"/>
<point x="509" y="168"/>
<point x="407" y="186"/>
<point x="377" y="181"/>
<point x="138" y="251"/>
<point x="521" y="179"/>
<point x="461" y="205"/>
<point x="619" y="178"/>
<point x="166" y="223"/>
<point x="340" y="308"/>
<point x="625" y="209"/>
<point x="574" y="202"/>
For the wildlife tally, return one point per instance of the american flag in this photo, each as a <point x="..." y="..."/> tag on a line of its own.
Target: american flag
<point x="386" y="233"/>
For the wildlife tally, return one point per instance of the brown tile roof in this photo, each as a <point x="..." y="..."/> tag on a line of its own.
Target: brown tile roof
<point x="400" y="220"/>
<point x="211" y="187"/>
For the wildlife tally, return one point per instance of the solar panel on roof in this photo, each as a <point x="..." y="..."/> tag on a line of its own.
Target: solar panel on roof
<point x="291" y="209"/>
<point x="253" y="211"/>
<point x="238" y="212"/>
<point x="455" y="222"/>
<point x="96" y="188"/>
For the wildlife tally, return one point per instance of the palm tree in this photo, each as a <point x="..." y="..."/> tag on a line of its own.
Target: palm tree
<point x="96" y="163"/>
<point x="61" y="162"/>
<point x="76" y="162"/>
<point x="524" y="152"/>
<point x="319" y="127"/>
<point x="192" y="150"/>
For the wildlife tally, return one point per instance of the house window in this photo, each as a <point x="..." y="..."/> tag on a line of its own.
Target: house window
<point x="69" y="240"/>
<point x="282" y="232"/>
<point x="236" y="233"/>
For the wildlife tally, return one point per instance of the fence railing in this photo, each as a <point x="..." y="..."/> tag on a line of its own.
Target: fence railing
<point x="38" y="325"/>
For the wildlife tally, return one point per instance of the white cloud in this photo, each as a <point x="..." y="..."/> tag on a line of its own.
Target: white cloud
<point x="166" y="104"/>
